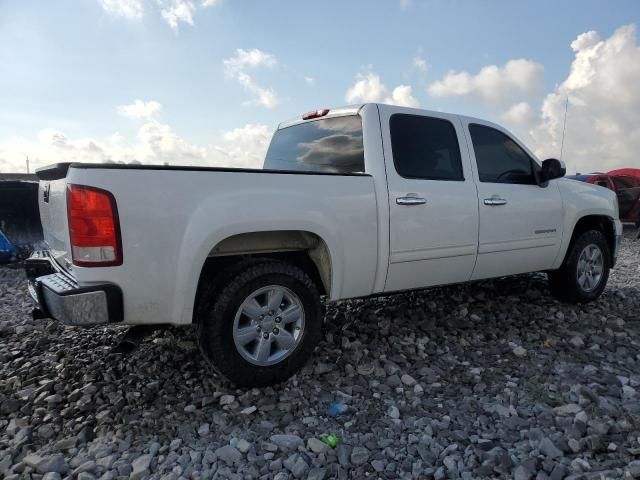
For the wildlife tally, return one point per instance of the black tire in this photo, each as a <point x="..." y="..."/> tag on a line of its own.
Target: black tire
<point x="218" y="308"/>
<point x="564" y="284"/>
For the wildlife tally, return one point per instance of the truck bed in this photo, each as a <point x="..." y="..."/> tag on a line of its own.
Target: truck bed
<point x="171" y="219"/>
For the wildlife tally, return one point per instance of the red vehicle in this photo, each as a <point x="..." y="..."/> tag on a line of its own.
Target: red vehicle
<point x="626" y="183"/>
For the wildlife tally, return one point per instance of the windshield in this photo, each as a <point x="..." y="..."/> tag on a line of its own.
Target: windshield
<point x="329" y="145"/>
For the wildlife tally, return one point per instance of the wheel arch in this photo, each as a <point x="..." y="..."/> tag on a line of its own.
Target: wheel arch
<point x="602" y="223"/>
<point x="304" y="249"/>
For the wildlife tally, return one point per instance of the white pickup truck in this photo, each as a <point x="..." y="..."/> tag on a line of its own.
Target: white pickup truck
<point x="354" y="201"/>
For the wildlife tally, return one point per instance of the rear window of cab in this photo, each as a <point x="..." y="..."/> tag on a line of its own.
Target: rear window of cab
<point x="328" y="145"/>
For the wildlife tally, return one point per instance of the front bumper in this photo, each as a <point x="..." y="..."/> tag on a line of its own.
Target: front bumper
<point x="60" y="297"/>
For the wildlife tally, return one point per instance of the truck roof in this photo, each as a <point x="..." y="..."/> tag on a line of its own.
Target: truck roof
<point x="355" y="108"/>
<point x="333" y="112"/>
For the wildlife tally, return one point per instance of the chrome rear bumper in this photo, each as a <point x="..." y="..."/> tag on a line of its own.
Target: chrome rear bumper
<point x="60" y="297"/>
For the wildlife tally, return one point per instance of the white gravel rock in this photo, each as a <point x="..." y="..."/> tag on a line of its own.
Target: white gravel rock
<point x="228" y="454"/>
<point x="287" y="442"/>
<point x="393" y="412"/>
<point x="52" y="463"/>
<point x="140" y="467"/>
<point x="52" y="476"/>
<point x="243" y="446"/>
<point x="519" y="351"/>
<point x="408" y="380"/>
<point x="446" y="358"/>
<point x="203" y="430"/>
<point x="316" y="446"/>
<point x="570" y="409"/>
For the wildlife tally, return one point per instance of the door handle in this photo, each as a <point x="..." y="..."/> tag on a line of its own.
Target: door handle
<point x="495" y="201"/>
<point x="411" y="199"/>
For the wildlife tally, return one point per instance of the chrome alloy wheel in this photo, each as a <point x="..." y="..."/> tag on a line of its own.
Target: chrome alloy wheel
<point x="590" y="267"/>
<point x="268" y="325"/>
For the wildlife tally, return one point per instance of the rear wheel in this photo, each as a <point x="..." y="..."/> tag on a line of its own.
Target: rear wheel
<point x="263" y="325"/>
<point x="585" y="271"/>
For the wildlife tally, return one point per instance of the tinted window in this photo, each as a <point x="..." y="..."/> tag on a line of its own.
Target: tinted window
<point x="425" y="147"/>
<point x="624" y="182"/>
<point x="332" y="145"/>
<point x="499" y="158"/>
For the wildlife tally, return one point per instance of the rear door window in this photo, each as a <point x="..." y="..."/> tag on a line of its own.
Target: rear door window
<point x="425" y="148"/>
<point x="328" y="145"/>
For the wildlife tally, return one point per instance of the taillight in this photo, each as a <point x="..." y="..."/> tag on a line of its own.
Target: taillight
<point x="315" y="114"/>
<point x="94" y="229"/>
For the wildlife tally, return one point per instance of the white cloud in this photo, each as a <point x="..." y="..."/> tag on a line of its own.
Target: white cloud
<point x="264" y="96"/>
<point x="116" y="138"/>
<point x="519" y="114"/>
<point x="401" y="95"/>
<point x="419" y="63"/>
<point x="130" y="9"/>
<point x="246" y="146"/>
<point x="53" y="138"/>
<point x="310" y="81"/>
<point x="176" y="11"/>
<point x="235" y="67"/>
<point x="603" y="120"/>
<point x="18" y="165"/>
<point x="369" y="88"/>
<point x="50" y="146"/>
<point x="405" y="4"/>
<point x="140" y="109"/>
<point x="492" y="82"/>
<point x="159" y="143"/>
<point x="173" y="12"/>
<point x="155" y="143"/>
<point x="248" y="58"/>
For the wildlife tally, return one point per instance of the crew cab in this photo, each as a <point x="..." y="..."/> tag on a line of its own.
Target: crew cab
<point x="355" y="201"/>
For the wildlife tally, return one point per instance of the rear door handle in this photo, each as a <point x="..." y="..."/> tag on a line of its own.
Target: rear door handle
<point x="411" y="199"/>
<point x="495" y="201"/>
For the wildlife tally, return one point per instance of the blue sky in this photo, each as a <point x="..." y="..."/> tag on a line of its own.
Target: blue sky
<point x="68" y="65"/>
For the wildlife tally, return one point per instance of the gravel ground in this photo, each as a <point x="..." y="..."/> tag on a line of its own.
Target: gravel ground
<point x="489" y="380"/>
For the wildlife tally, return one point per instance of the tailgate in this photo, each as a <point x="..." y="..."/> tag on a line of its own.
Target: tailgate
<point x="52" y="201"/>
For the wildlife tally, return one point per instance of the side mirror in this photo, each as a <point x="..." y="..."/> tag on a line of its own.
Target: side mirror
<point x="552" y="168"/>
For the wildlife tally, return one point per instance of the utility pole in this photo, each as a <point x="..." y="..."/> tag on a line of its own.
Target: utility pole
<point x="564" y="125"/>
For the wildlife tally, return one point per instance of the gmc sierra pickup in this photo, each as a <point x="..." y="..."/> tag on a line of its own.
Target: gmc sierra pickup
<point x="354" y="201"/>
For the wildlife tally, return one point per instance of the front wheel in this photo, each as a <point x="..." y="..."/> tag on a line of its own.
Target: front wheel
<point x="585" y="271"/>
<point x="263" y="326"/>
